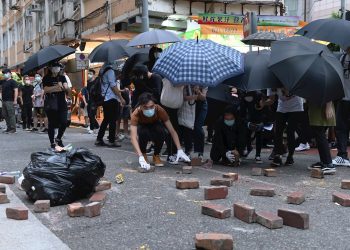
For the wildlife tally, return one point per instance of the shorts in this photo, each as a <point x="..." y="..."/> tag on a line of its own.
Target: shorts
<point x="39" y="112"/>
<point x="125" y="112"/>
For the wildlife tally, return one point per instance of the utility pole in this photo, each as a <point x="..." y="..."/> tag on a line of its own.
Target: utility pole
<point x="145" y="16"/>
<point x="305" y="11"/>
<point x="343" y="9"/>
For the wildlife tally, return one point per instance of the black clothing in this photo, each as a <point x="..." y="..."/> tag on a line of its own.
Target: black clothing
<point x="50" y="81"/>
<point x="342" y="127"/>
<point x="111" y="111"/>
<point x="27" y="92"/>
<point x="8" y="87"/>
<point x="322" y="144"/>
<point x="155" y="133"/>
<point x="152" y="85"/>
<point x="56" y="119"/>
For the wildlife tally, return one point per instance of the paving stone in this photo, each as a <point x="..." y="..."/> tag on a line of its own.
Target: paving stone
<point x="92" y="209"/>
<point x="341" y="198"/>
<point x="214" y="193"/>
<point x="218" y="181"/>
<point x="75" y="209"/>
<point x="41" y="206"/>
<point x="6" y="179"/>
<point x="17" y="213"/>
<point x="214" y="241"/>
<point x="269" y="220"/>
<point x="296" y="198"/>
<point x="244" y="212"/>
<point x="217" y="211"/>
<point x="187" y="184"/>
<point x="232" y="176"/>
<point x="270" y="172"/>
<point x="345" y="184"/>
<point x="294" y="218"/>
<point x="257" y="171"/>
<point x="262" y="191"/>
<point x="103" y="185"/>
<point x="316" y="173"/>
<point x="187" y="170"/>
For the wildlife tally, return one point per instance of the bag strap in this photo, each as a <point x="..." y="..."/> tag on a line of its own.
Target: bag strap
<point x="189" y="89"/>
<point x="109" y="84"/>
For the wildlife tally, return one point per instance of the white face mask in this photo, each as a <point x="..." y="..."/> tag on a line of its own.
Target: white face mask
<point x="90" y="76"/>
<point x="249" y="98"/>
<point x="38" y="78"/>
<point x="56" y="69"/>
<point x="27" y="82"/>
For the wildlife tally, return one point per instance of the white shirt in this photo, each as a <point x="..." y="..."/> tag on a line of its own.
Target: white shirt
<point x="287" y="104"/>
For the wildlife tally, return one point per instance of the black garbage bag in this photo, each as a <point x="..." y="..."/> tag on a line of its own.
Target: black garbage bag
<point x="62" y="177"/>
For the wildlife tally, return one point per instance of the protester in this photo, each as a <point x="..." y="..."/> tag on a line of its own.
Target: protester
<point x="39" y="115"/>
<point x="91" y="108"/>
<point x="303" y="131"/>
<point x="201" y="114"/>
<point x="9" y="92"/>
<point x="26" y="93"/>
<point x="153" y="55"/>
<point x="83" y="105"/>
<point x="147" y="124"/>
<point x="124" y="116"/>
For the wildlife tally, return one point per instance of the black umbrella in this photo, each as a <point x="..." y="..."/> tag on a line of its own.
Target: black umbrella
<point x="138" y="58"/>
<point x="221" y="93"/>
<point x="331" y="30"/>
<point x="263" y="38"/>
<point x="307" y="69"/>
<point x="153" y="37"/>
<point x="46" y="56"/>
<point x="111" y="51"/>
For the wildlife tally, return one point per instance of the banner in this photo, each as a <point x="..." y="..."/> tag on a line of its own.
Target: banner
<point x="289" y="21"/>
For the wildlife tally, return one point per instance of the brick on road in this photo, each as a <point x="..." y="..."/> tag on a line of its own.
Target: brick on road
<point x="187" y="184"/>
<point x="17" y="213"/>
<point x="316" y="173"/>
<point x="196" y="162"/>
<point x="42" y="206"/>
<point x="257" y="171"/>
<point x="269" y="220"/>
<point x="214" y="241"/>
<point x="218" y="181"/>
<point x="98" y="197"/>
<point x="215" y="193"/>
<point x="262" y="191"/>
<point x="294" y="218"/>
<point x="244" y="212"/>
<point x="187" y="170"/>
<point x="2" y="189"/>
<point x="296" y="198"/>
<point x="93" y="209"/>
<point x="232" y="176"/>
<point x="217" y="211"/>
<point x="341" y="198"/>
<point x="345" y="184"/>
<point x="5" y="179"/>
<point x="270" y="172"/>
<point x="3" y="198"/>
<point x="103" y="185"/>
<point x="75" y="209"/>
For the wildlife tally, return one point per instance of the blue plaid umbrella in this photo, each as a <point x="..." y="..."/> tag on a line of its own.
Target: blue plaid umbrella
<point x="202" y="62"/>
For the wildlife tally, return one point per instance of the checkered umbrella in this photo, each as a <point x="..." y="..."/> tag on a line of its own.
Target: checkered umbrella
<point x="202" y="62"/>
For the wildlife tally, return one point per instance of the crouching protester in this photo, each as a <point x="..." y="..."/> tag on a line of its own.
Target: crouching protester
<point x="148" y="123"/>
<point x="229" y="138"/>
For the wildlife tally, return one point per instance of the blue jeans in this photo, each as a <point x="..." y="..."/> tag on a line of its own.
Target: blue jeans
<point x="201" y="114"/>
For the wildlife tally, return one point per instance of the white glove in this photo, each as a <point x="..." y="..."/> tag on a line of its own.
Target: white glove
<point x="143" y="163"/>
<point x="230" y="156"/>
<point x="181" y="155"/>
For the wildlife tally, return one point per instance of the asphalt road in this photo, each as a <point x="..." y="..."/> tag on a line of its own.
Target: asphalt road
<point x="148" y="212"/>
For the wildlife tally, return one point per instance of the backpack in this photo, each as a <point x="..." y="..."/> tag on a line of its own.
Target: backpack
<point x="95" y="93"/>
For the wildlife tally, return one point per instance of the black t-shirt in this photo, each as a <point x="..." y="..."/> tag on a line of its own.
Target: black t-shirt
<point x="8" y="87"/>
<point x="152" y="85"/>
<point x="27" y="92"/>
<point x="50" y="81"/>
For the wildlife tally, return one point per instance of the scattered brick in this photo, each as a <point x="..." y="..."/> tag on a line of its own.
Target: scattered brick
<point x="103" y="185"/>
<point x="17" y="213"/>
<point x="208" y="164"/>
<point x="244" y="212"/>
<point x="3" y="198"/>
<point x="6" y="179"/>
<point x="92" y="209"/>
<point x="42" y="206"/>
<point x="214" y="193"/>
<point x="2" y="189"/>
<point x="262" y="191"/>
<point x="296" y="198"/>
<point x="257" y="171"/>
<point x="232" y="176"/>
<point x="98" y="197"/>
<point x="214" y="241"/>
<point x="75" y="209"/>
<point x="218" y="181"/>
<point x="216" y="211"/>
<point x="294" y="218"/>
<point x="187" y="184"/>
<point x="269" y="220"/>
<point x="317" y="173"/>
<point x="345" y="184"/>
<point x="342" y="199"/>
<point x="187" y="170"/>
<point x="196" y="162"/>
<point x="270" y="172"/>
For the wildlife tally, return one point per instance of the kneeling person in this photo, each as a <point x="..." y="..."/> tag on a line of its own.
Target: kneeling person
<point x="147" y="125"/>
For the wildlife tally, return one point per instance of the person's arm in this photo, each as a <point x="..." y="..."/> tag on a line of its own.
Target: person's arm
<point x="329" y="111"/>
<point x="173" y="134"/>
<point x="15" y="96"/>
<point x="84" y="100"/>
<point x="134" y="141"/>
<point x="188" y="97"/>
<point x="202" y="94"/>
<point x="118" y="93"/>
<point x="113" y="85"/>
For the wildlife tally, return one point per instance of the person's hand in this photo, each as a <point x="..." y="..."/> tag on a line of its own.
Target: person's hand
<point x="230" y="156"/>
<point x="143" y="163"/>
<point x="181" y="155"/>
<point x="15" y="103"/>
<point x="329" y="112"/>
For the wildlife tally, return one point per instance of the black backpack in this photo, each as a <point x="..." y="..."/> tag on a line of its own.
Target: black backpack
<point x="95" y="93"/>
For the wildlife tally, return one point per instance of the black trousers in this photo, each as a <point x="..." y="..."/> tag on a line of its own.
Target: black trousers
<point x="111" y="111"/>
<point x="322" y="144"/>
<point x="27" y="115"/>
<point x="258" y="141"/>
<point x="92" y="110"/>
<point x="342" y="127"/>
<point x="151" y="133"/>
<point x="56" y="119"/>
<point x="171" y="147"/>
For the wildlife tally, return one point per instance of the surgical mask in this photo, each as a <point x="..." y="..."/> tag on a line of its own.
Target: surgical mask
<point x="38" y="78"/>
<point x="90" y="76"/>
<point x="149" y="112"/>
<point x="229" y="123"/>
<point x="7" y="75"/>
<point x="27" y="82"/>
<point x="249" y="98"/>
<point x="56" y="69"/>
<point x="156" y="55"/>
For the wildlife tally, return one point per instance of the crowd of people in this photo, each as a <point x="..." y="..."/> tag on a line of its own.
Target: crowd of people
<point x="163" y="125"/>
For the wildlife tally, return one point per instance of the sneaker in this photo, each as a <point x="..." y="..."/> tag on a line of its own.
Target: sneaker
<point x="317" y="165"/>
<point x="112" y="144"/>
<point x="328" y="168"/>
<point x="277" y="160"/>
<point x="258" y="160"/>
<point x="209" y="141"/>
<point x="157" y="161"/>
<point x="289" y="161"/>
<point x="172" y="160"/>
<point x="90" y="131"/>
<point x="12" y="131"/>
<point x="302" y="147"/>
<point x="99" y="143"/>
<point x="53" y="146"/>
<point x="44" y="131"/>
<point x="150" y="150"/>
<point x="59" y="142"/>
<point x="34" y="130"/>
<point x="272" y="156"/>
<point x="165" y="153"/>
<point x="339" y="161"/>
<point x="120" y="137"/>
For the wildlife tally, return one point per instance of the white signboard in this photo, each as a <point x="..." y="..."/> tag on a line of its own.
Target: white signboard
<point x="82" y="61"/>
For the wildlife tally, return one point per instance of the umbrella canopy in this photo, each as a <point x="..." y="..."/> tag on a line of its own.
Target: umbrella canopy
<point x="257" y="76"/>
<point x="263" y="39"/>
<point x="221" y="93"/>
<point x="46" y="56"/>
<point x="331" y="30"/>
<point x="138" y="58"/>
<point x="202" y="62"/>
<point x="154" y="37"/>
<point x="307" y="69"/>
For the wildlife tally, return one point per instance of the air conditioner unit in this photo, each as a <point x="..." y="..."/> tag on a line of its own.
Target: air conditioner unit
<point x="28" y="13"/>
<point x="35" y="7"/>
<point x="67" y="31"/>
<point x="67" y="10"/>
<point x="27" y="47"/>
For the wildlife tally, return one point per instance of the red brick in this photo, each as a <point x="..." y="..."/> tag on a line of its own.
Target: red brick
<point x="214" y="193"/>
<point x="17" y="213"/>
<point x="214" y="241"/>
<point x="257" y="171"/>
<point x="103" y="185"/>
<point x="345" y="184"/>
<point x="216" y="211"/>
<point x="7" y="179"/>
<point x="187" y="184"/>
<point x="218" y="181"/>
<point x="244" y="212"/>
<point x="41" y="206"/>
<point x="232" y="176"/>
<point x="187" y="170"/>
<point x="294" y="218"/>
<point x="92" y="209"/>
<point x="342" y="199"/>
<point x="270" y="172"/>
<point x="296" y="198"/>
<point x="269" y="220"/>
<point x="75" y="209"/>
<point x="196" y="162"/>
<point x="316" y="173"/>
<point x="98" y="197"/>
<point x="3" y="198"/>
<point x="2" y="189"/>
<point x="262" y="191"/>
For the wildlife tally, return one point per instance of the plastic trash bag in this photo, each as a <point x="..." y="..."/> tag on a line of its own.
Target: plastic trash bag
<point x="62" y="177"/>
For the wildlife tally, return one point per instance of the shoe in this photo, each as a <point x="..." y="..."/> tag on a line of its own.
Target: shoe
<point x="12" y="131"/>
<point x="157" y="161"/>
<point x="53" y="145"/>
<point x="90" y="131"/>
<point x="172" y="160"/>
<point x="258" y="160"/>
<point x="317" y="165"/>
<point x="99" y="143"/>
<point x="112" y="144"/>
<point x="34" y="130"/>
<point x="333" y="145"/>
<point x="150" y="150"/>
<point x="44" y="131"/>
<point x="6" y="131"/>
<point x="28" y="129"/>
<point x="59" y="142"/>
<point x="302" y="147"/>
<point x="165" y="153"/>
<point x="339" y="161"/>
<point x="277" y="160"/>
<point x="289" y="161"/>
<point x="209" y="141"/>
<point x="272" y="156"/>
<point x="328" y="169"/>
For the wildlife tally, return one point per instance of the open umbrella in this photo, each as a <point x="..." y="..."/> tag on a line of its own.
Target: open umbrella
<point x="307" y="69"/>
<point x="138" y="58"/>
<point x="221" y="93"/>
<point x="331" y="30"/>
<point x="45" y="56"/>
<point x="202" y="62"/>
<point x="263" y="39"/>
<point x="154" y="37"/>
